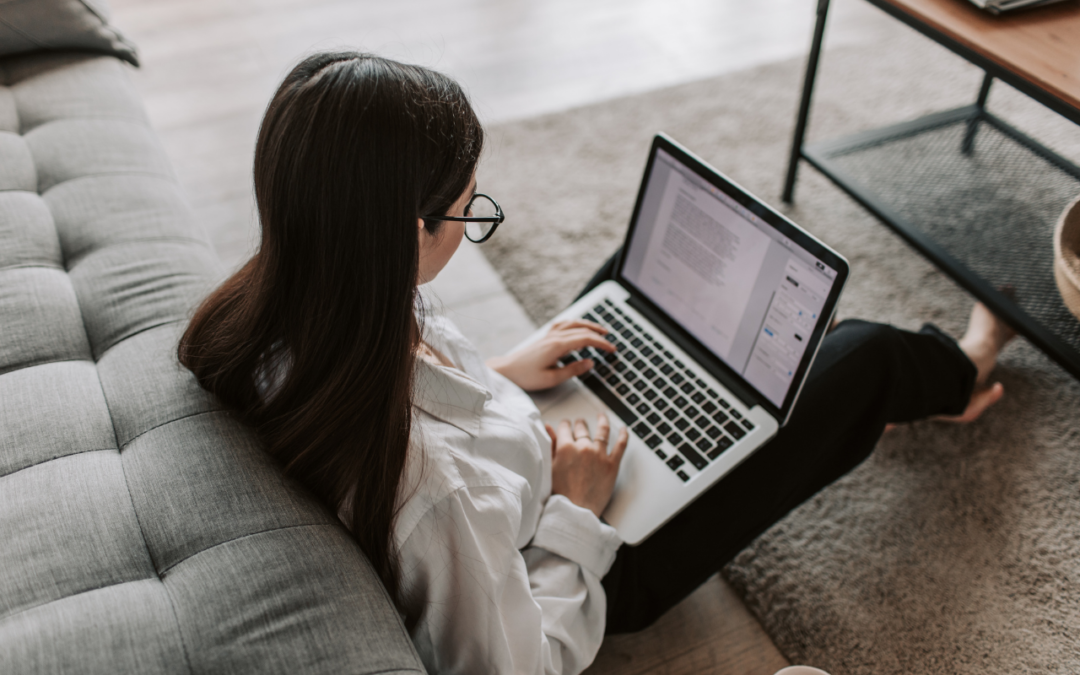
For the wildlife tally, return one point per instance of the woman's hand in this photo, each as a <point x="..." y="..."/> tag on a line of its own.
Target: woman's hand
<point x="536" y="366"/>
<point x="582" y="469"/>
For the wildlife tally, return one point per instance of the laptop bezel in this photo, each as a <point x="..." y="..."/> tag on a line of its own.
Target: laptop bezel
<point x="717" y="367"/>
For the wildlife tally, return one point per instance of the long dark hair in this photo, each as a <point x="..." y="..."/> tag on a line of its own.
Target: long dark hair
<point x="352" y="151"/>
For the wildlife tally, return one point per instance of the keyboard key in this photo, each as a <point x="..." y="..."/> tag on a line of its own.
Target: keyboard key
<point x="668" y="355"/>
<point x="610" y="357"/>
<point x="713" y="432"/>
<point x="681" y="423"/>
<point x="724" y="404"/>
<point x="666" y="369"/>
<point x="648" y="373"/>
<point x="749" y="426"/>
<point x="680" y="402"/>
<point x="687" y="388"/>
<point x="661" y="454"/>
<point x="677" y="378"/>
<point x="735" y="430"/>
<point x="702" y="383"/>
<point x="691" y="374"/>
<point x="647" y="336"/>
<point x="640" y="385"/>
<point x="629" y="376"/>
<point x="640" y="365"/>
<point x="674" y="438"/>
<point x="665" y="429"/>
<point x="720" y="417"/>
<point x="617" y="325"/>
<point x="723" y="443"/>
<point x="602" y="370"/>
<point x="682" y="474"/>
<point x="619" y="366"/>
<point x="599" y="309"/>
<point x="610" y="337"/>
<point x="704" y="445"/>
<point x="653" y="441"/>
<point x="646" y="351"/>
<point x="714" y="394"/>
<point x="650" y="394"/>
<point x="656" y="360"/>
<point x="642" y="430"/>
<point x="703" y="421"/>
<point x="697" y="397"/>
<point x="709" y="407"/>
<point x="671" y="392"/>
<point x="636" y="342"/>
<point x="679" y="364"/>
<point x="643" y="408"/>
<point x="693" y="434"/>
<point x="610" y="399"/>
<point x="625" y="332"/>
<point x="660" y="382"/>
<point x="691" y="412"/>
<point x="613" y="380"/>
<point x="623" y="389"/>
<point x="660" y="404"/>
<point x="653" y="418"/>
<point x="675" y="462"/>
<point x="609" y="303"/>
<point x="691" y="454"/>
<point x="633" y="399"/>
<point x="735" y="413"/>
<point x="671" y="413"/>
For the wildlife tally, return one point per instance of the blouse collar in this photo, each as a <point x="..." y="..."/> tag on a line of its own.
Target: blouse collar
<point x="450" y="395"/>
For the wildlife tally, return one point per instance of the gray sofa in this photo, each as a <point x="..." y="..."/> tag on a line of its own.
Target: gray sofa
<point x="142" y="528"/>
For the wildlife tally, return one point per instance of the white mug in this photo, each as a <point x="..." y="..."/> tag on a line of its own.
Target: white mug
<point x="801" y="670"/>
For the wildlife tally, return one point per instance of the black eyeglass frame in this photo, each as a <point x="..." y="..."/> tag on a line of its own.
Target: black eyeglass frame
<point x="496" y="220"/>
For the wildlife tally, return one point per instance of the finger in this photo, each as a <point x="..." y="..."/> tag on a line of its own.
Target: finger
<point x="564" y="436"/>
<point x="580" y="338"/>
<point x="581" y="429"/>
<point x="550" y="432"/>
<point x="555" y="376"/>
<point x="603" y="430"/>
<point x="582" y="323"/>
<point x="620" y="446"/>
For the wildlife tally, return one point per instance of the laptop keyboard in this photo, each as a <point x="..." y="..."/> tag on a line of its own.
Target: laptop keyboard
<point x="658" y="397"/>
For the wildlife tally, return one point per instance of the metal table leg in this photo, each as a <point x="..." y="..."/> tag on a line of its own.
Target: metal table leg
<point x="973" y="124"/>
<point x="804" y="105"/>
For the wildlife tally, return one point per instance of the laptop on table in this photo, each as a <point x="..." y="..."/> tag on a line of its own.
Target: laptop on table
<point x="717" y="310"/>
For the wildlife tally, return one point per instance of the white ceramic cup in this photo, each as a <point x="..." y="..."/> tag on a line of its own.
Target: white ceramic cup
<point x="801" y="670"/>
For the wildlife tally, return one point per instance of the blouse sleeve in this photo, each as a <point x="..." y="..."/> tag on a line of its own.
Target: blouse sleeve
<point x="482" y="605"/>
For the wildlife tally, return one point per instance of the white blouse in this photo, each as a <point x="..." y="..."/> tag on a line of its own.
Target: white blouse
<point x="503" y="576"/>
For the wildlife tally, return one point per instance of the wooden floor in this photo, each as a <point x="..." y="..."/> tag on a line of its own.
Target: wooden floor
<point x="209" y="68"/>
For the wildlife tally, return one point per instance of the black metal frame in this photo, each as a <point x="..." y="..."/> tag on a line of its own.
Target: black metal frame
<point x="819" y="157"/>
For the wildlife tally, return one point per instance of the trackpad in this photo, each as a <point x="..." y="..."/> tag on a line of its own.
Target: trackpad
<point x="577" y="401"/>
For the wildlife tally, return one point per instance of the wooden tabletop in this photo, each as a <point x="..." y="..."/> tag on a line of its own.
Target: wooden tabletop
<point x="1040" y="46"/>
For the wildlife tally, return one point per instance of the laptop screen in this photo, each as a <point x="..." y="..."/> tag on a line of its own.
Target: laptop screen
<point x="734" y="281"/>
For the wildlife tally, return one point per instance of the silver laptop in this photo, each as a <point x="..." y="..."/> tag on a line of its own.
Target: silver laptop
<point x="717" y="309"/>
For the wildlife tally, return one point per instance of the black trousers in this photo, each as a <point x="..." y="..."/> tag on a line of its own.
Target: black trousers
<point x="866" y="375"/>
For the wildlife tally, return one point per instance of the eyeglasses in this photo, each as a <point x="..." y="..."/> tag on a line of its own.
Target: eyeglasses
<point x="484" y="215"/>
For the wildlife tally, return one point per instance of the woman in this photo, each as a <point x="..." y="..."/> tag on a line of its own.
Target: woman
<point x="482" y="524"/>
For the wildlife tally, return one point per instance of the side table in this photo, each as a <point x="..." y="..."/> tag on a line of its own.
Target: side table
<point x="970" y="192"/>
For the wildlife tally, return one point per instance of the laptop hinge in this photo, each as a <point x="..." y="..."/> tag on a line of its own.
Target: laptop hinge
<point x="708" y="360"/>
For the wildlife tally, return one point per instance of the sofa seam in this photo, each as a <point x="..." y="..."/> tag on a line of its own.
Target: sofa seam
<point x="30" y="608"/>
<point x="165" y="424"/>
<point x="106" y="173"/>
<point x="138" y="520"/>
<point x="238" y="538"/>
<point x="35" y="364"/>
<point x="57" y="457"/>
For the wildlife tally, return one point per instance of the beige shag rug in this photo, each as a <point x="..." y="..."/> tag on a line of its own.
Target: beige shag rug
<point x="952" y="549"/>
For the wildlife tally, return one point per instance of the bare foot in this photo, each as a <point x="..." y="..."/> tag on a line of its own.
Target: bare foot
<point x="985" y="337"/>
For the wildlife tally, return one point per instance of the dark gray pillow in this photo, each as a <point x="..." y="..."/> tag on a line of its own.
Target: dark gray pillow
<point x="36" y="25"/>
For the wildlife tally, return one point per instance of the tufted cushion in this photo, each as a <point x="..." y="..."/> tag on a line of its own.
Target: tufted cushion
<point x="143" y="528"/>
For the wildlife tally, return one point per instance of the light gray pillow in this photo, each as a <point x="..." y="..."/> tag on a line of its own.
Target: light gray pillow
<point x="82" y="25"/>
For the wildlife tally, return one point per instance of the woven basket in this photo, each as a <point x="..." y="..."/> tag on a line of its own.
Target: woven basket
<point x="1067" y="256"/>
